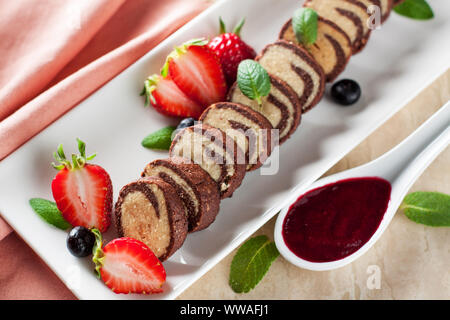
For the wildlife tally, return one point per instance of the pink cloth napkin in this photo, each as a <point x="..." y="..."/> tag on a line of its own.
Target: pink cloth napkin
<point x="53" y="55"/>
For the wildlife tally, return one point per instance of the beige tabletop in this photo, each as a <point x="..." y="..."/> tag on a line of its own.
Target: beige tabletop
<point x="410" y="261"/>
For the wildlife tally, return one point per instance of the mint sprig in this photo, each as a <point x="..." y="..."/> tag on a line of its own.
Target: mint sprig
<point x="428" y="208"/>
<point x="251" y="263"/>
<point x="253" y="80"/>
<point x="304" y="23"/>
<point x="48" y="211"/>
<point x="159" y="140"/>
<point x="415" y="9"/>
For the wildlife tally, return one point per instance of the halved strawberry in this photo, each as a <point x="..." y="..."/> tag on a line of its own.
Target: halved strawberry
<point x="127" y="265"/>
<point x="197" y="72"/>
<point x="168" y="99"/>
<point x="82" y="192"/>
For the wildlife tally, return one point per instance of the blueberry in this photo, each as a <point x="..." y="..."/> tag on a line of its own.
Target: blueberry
<point x="346" y="92"/>
<point x="187" y="122"/>
<point x="80" y="241"/>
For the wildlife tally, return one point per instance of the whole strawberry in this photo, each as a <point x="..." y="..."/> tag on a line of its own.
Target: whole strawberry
<point x="82" y="192"/>
<point x="231" y="50"/>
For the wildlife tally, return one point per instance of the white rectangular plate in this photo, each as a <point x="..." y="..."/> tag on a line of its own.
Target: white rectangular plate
<point x="400" y="59"/>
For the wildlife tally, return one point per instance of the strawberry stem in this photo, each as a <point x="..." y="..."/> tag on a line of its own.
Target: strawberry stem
<point x="98" y="256"/>
<point x="75" y="163"/>
<point x="78" y="161"/>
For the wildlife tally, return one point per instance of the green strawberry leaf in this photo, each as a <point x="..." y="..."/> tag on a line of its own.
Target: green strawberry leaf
<point x="304" y="23"/>
<point x="251" y="263"/>
<point x="48" y="211"/>
<point x="159" y="140"/>
<point x="149" y="86"/>
<point x="237" y="29"/>
<point x="223" y="28"/>
<point x="415" y="9"/>
<point x="98" y="256"/>
<point x="253" y="80"/>
<point x="429" y="208"/>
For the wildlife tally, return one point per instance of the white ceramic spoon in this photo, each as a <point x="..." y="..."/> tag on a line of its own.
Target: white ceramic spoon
<point x="401" y="166"/>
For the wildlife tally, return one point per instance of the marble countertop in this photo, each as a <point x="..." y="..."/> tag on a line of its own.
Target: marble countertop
<point x="410" y="261"/>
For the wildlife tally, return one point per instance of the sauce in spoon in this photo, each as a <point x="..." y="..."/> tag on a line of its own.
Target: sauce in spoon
<point x="335" y="220"/>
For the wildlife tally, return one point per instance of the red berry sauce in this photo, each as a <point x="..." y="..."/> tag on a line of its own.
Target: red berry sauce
<point x="331" y="222"/>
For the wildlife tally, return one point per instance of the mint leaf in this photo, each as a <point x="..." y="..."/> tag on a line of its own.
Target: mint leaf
<point x="48" y="211"/>
<point x="251" y="263"/>
<point x="160" y="139"/>
<point x="415" y="9"/>
<point x="253" y="80"/>
<point x="304" y="23"/>
<point x="429" y="208"/>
